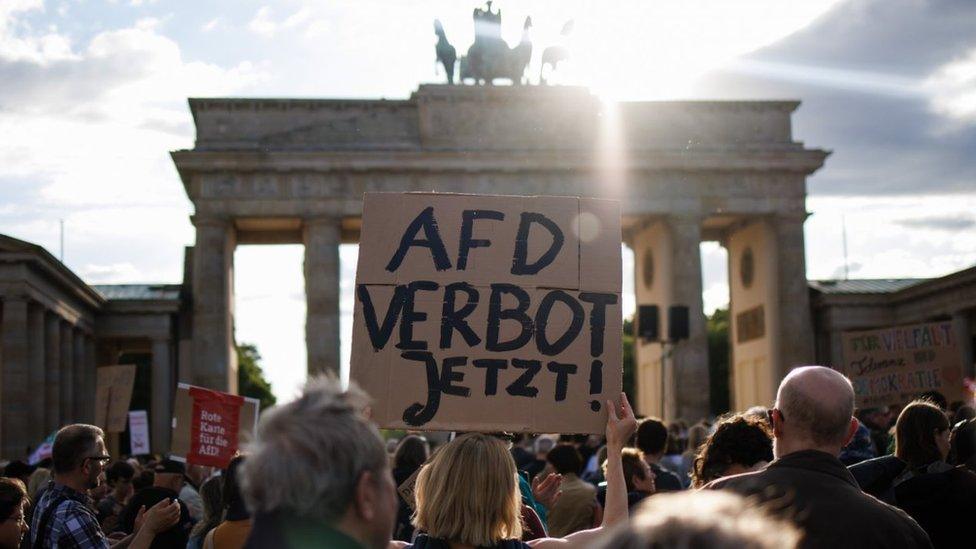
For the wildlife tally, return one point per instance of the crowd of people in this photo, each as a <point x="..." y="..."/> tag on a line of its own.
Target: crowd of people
<point x="809" y="472"/>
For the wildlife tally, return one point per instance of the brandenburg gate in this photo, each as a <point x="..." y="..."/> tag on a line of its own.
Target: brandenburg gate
<point x="277" y="171"/>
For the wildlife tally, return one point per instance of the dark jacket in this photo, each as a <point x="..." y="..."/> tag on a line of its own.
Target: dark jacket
<point x="818" y="493"/>
<point x="177" y="536"/>
<point x="665" y="480"/>
<point x="285" y="530"/>
<point x="942" y="502"/>
<point x="875" y="476"/>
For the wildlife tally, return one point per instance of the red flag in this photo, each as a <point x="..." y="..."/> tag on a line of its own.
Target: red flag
<point x="213" y="427"/>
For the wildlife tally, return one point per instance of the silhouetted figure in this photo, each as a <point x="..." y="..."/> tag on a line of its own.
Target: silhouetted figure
<point x="446" y="54"/>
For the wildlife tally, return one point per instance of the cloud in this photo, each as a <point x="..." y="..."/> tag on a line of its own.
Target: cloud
<point x="89" y="125"/>
<point x="210" y="25"/>
<point x="886" y="84"/>
<point x="939" y="223"/>
<point x="953" y="87"/>
<point x="263" y="23"/>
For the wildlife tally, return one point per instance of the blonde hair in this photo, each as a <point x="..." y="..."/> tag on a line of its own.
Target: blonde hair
<point x="467" y="493"/>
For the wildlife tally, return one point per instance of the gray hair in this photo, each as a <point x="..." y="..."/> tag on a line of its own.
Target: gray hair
<point x="703" y="518"/>
<point x="309" y="454"/>
<point x="72" y="445"/>
<point x="819" y="401"/>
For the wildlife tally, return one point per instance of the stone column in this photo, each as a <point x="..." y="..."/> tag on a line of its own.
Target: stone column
<point x="214" y="354"/>
<point x="161" y="414"/>
<point x="321" y="236"/>
<point x="82" y="398"/>
<point x="795" y="323"/>
<point x="15" y="393"/>
<point x="689" y="361"/>
<point x="962" y="325"/>
<point x="91" y="377"/>
<point x="35" y="374"/>
<point x="68" y="380"/>
<point x="52" y="371"/>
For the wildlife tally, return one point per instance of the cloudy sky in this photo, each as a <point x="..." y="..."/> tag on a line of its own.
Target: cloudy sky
<point x="93" y="96"/>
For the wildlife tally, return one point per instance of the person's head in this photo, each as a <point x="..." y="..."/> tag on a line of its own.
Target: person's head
<point x="468" y="493"/>
<point x="697" y="435"/>
<point x="411" y="453"/>
<point x="936" y="398"/>
<point x="169" y="475"/>
<point x="814" y="411"/>
<point x="875" y="418"/>
<point x="79" y="456"/>
<point x="542" y="446"/>
<point x="212" y="498"/>
<point x="565" y="459"/>
<point x="13" y="505"/>
<point x="38" y="479"/>
<point x="963" y="413"/>
<point x="637" y="473"/>
<point x="232" y="500"/>
<point x="19" y="470"/>
<point x="196" y="474"/>
<point x="119" y="478"/>
<point x="963" y="442"/>
<point x="739" y="443"/>
<point x="921" y="434"/>
<point x="319" y="458"/>
<point x="144" y="479"/>
<point x="702" y="518"/>
<point x="652" y="437"/>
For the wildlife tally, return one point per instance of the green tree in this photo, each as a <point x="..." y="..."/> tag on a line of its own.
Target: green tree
<point x="717" y="326"/>
<point x="250" y="376"/>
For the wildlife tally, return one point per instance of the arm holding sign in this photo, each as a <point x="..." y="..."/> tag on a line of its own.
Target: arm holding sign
<point x="621" y="424"/>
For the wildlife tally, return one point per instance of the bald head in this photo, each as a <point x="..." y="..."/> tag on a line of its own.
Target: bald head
<point x="817" y="404"/>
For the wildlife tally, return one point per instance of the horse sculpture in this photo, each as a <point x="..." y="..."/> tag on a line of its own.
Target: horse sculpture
<point x="557" y="53"/>
<point x="489" y="57"/>
<point x="446" y="54"/>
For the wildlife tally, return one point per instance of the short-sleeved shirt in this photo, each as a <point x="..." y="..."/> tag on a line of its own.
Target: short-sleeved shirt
<point x="71" y="524"/>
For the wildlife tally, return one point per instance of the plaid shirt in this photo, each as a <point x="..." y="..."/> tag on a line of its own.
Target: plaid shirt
<point x="72" y="525"/>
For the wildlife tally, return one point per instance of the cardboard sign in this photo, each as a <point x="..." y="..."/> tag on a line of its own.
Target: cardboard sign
<point x="201" y="416"/>
<point x="408" y="490"/>
<point x="894" y="365"/>
<point x="113" y="392"/>
<point x="138" y="433"/>
<point x="488" y="313"/>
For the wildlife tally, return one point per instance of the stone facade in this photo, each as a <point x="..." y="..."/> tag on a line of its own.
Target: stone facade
<point x="849" y="305"/>
<point x="294" y="171"/>
<point x="56" y="330"/>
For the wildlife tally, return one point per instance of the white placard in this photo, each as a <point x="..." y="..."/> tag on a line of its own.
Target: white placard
<point x="138" y="433"/>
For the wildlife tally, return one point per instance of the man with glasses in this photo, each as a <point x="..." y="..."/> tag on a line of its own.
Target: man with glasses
<point x="64" y="517"/>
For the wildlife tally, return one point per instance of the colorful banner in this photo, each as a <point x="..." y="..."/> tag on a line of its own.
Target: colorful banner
<point x="213" y="427"/>
<point x="893" y="365"/>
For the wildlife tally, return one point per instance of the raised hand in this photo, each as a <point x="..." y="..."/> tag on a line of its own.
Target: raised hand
<point x="621" y="423"/>
<point x="160" y="517"/>
<point x="546" y="490"/>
